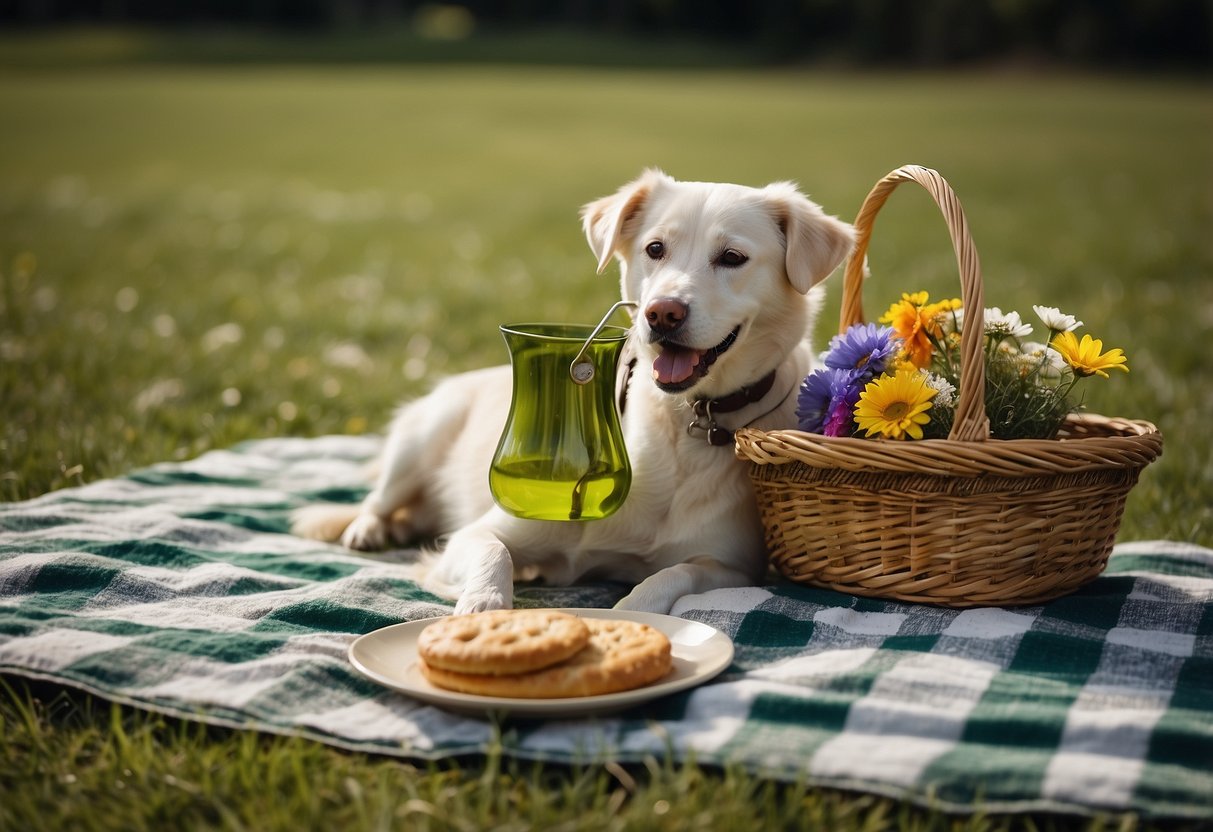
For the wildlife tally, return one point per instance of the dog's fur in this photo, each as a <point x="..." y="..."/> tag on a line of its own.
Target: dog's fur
<point x="690" y="522"/>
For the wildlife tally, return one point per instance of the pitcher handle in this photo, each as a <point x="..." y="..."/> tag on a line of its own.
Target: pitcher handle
<point x="582" y="369"/>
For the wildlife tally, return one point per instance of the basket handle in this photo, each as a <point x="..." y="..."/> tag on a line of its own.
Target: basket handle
<point x="970" y="424"/>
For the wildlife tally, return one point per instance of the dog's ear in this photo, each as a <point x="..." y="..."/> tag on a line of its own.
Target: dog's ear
<point x="816" y="242"/>
<point x="605" y="220"/>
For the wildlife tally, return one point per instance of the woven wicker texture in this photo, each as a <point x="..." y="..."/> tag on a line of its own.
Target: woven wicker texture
<point x="962" y="521"/>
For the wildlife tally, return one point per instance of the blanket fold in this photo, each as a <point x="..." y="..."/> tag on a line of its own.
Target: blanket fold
<point x="178" y="589"/>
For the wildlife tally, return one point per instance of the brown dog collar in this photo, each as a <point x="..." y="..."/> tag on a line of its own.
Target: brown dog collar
<point x="707" y="409"/>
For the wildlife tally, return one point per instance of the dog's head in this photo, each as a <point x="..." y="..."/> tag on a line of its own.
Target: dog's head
<point x="721" y="274"/>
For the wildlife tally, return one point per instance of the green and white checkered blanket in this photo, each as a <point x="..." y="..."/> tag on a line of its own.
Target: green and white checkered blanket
<point x="178" y="589"/>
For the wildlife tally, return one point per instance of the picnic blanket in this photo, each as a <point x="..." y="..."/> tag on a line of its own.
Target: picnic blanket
<point x="178" y="589"/>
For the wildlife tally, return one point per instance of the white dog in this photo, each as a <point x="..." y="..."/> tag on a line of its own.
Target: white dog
<point x="722" y="277"/>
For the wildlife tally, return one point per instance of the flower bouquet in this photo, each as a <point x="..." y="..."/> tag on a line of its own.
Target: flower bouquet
<point x="899" y="381"/>
<point x="1004" y="493"/>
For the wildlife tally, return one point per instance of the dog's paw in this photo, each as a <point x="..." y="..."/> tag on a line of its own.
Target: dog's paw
<point x="482" y="601"/>
<point x="366" y="533"/>
<point x="642" y="600"/>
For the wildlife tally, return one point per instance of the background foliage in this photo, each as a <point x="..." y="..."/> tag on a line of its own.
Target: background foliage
<point x="1106" y="33"/>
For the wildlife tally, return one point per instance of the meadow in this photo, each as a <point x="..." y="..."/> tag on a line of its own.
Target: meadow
<point x="192" y="256"/>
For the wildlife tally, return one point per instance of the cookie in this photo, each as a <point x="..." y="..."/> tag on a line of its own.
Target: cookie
<point x="502" y="641"/>
<point x="621" y="655"/>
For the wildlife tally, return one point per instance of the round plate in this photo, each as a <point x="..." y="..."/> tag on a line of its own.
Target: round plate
<point x="389" y="656"/>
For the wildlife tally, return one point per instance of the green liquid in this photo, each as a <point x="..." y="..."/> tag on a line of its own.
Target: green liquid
<point x="532" y="490"/>
<point x="561" y="455"/>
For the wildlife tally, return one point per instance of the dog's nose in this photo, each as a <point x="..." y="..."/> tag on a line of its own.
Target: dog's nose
<point x="665" y="314"/>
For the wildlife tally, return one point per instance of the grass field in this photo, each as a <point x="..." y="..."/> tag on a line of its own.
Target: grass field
<point x="194" y="256"/>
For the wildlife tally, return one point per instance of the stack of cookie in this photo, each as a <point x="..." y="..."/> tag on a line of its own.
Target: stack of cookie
<point x="541" y="654"/>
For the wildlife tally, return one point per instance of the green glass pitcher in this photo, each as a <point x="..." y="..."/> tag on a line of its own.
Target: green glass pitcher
<point x="561" y="455"/>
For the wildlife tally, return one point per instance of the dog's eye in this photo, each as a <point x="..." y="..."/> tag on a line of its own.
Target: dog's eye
<point x="731" y="258"/>
<point x="655" y="249"/>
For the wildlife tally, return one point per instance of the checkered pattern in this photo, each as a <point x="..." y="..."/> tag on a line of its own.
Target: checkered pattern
<point x="178" y="589"/>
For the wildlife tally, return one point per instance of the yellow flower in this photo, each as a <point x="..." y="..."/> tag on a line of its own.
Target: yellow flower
<point x="895" y="405"/>
<point x="949" y="305"/>
<point x="1087" y="357"/>
<point x="915" y="322"/>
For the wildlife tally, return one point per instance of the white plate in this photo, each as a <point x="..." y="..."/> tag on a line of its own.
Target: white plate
<point x="389" y="656"/>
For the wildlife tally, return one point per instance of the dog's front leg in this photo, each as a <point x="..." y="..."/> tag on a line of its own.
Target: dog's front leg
<point x="490" y="581"/>
<point x="659" y="591"/>
<point x="373" y="528"/>
<point x="476" y="567"/>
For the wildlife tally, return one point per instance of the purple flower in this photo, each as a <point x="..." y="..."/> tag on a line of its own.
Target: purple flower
<point x="813" y="401"/>
<point x="841" y="421"/>
<point x="866" y="348"/>
<point x="827" y="401"/>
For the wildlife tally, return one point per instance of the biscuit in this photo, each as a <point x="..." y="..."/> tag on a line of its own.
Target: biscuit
<point x="502" y="641"/>
<point x="621" y="655"/>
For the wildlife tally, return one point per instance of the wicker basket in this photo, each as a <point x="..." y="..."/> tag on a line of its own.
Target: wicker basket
<point x="963" y="521"/>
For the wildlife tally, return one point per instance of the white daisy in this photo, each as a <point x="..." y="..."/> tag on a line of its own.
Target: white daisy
<point x="1055" y="319"/>
<point x="1043" y="359"/>
<point x="999" y="324"/>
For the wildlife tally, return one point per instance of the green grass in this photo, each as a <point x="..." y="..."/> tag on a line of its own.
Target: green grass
<point x="194" y="256"/>
<point x="71" y="762"/>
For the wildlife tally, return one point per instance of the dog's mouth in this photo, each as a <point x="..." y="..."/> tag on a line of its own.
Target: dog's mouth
<point x="678" y="367"/>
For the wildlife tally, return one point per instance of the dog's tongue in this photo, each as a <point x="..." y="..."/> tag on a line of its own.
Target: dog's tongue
<point x="675" y="364"/>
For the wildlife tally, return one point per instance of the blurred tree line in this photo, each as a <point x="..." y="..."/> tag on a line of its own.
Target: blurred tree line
<point x="1104" y="33"/>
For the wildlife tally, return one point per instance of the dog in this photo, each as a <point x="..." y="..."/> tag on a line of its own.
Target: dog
<point x="725" y="278"/>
